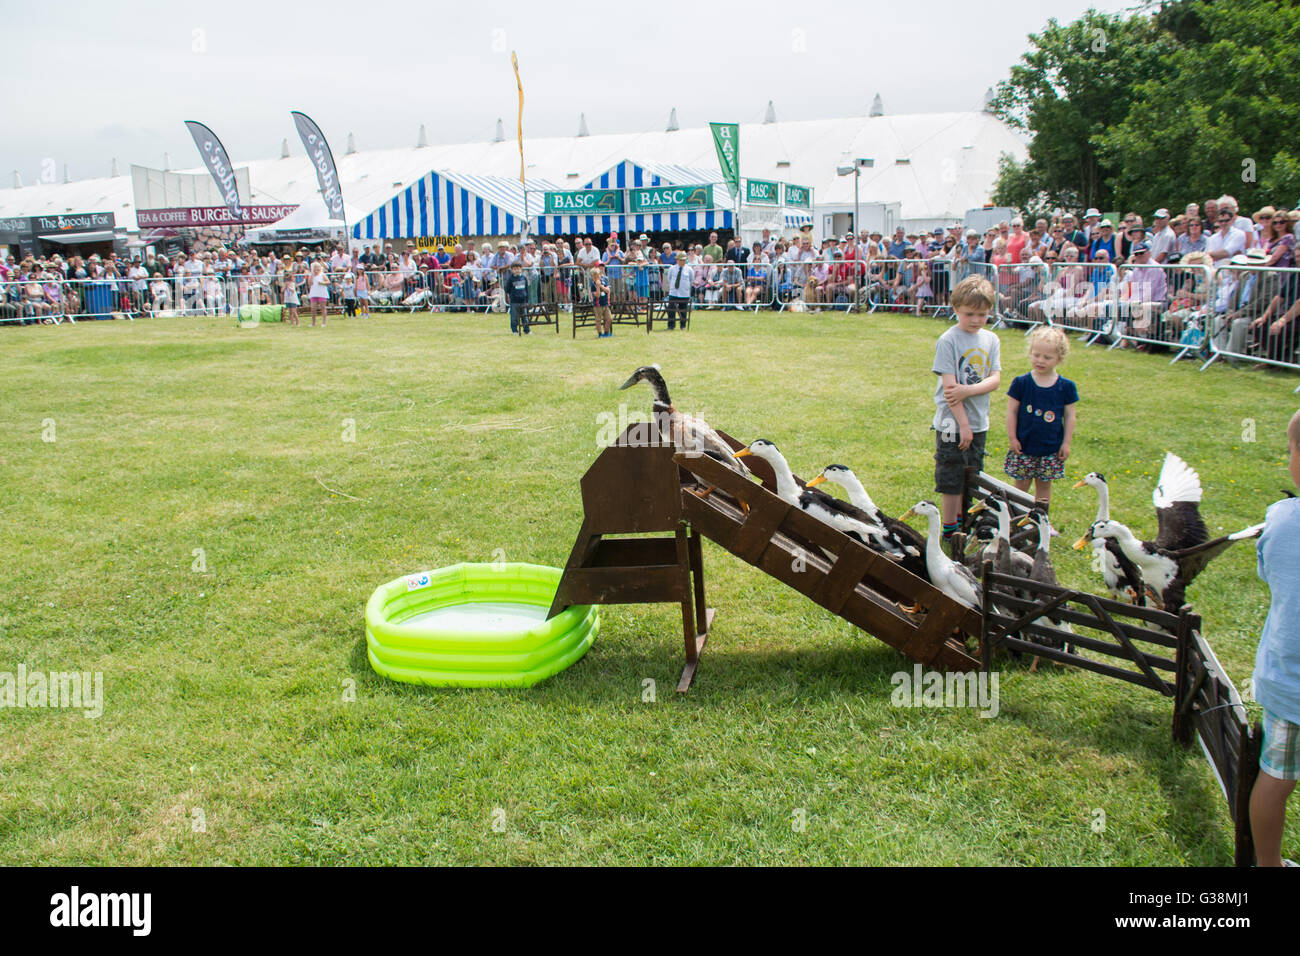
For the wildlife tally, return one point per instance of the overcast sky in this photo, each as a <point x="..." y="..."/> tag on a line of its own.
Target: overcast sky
<point x="88" y="82"/>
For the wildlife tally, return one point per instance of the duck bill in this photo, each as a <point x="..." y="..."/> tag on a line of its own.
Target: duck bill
<point x="1078" y="484"/>
<point x="1081" y="543"/>
<point x="743" y="453"/>
<point x="1022" y="521"/>
<point x="977" y="507"/>
<point x="629" y="383"/>
<point x="907" y="514"/>
<point x="819" y="480"/>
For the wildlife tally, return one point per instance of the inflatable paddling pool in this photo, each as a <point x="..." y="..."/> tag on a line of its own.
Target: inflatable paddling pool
<point x="475" y="625"/>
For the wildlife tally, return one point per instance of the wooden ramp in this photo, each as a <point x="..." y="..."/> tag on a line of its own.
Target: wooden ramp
<point x="638" y="486"/>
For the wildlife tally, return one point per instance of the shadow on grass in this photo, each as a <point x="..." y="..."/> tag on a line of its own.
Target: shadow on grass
<point x="737" y="680"/>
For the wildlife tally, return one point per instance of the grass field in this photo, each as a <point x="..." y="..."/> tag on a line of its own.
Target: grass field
<point x="311" y="465"/>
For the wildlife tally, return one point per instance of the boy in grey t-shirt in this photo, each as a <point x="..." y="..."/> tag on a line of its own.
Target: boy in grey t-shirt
<point x="967" y="359"/>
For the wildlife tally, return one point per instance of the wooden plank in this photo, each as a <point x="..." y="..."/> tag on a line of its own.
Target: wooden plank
<point x="765" y="516"/>
<point x="1081" y="641"/>
<point x="625" y="585"/>
<point x="1051" y="653"/>
<point x="849" y="567"/>
<point x="616" y="552"/>
<point x="1118" y="631"/>
<point x="1247" y="772"/>
<point x="1163" y="619"/>
<point x="1013" y="603"/>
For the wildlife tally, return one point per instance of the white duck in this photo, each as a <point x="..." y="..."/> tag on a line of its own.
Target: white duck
<point x="950" y="577"/>
<point x="841" y="515"/>
<point x="1123" y="579"/>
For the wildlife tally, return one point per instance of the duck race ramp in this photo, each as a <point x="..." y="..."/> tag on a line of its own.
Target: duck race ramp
<point x="642" y="485"/>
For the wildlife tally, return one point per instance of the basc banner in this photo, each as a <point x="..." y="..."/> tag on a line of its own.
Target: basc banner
<point x="327" y="175"/>
<point x="218" y="162"/>
<point x="726" y="140"/>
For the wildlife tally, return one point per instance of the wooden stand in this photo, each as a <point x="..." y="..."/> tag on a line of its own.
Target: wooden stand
<point x="639" y="486"/>
<point x="633" y="488"/>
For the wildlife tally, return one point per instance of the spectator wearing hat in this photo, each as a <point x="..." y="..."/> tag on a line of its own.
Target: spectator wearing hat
<point x="515" y="285"/>
<point x="1163" y="241"/>
<point x="1091" y="224"/>
<point x="1261" y="222"/>
<point x="1103" y="240"/>
<point x="1071" y="232"/>
<point x="1143" y="290"/>
<point x="678" y="282"/>
<point x="1134" y="232"/>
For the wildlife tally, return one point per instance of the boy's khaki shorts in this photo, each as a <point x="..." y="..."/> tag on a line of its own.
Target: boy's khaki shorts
<point x="950" y="462"/>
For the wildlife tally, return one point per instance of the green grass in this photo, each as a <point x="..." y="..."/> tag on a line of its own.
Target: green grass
<point x="224" y="690"/>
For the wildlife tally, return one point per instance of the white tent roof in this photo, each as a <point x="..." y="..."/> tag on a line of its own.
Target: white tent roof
<point x="951" y="165"/>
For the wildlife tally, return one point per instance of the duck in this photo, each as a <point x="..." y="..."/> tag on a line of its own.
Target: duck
<point x="1177" y="498"/>
<point x="1122" y="577"/>
<point x="902" y="534"/>
<point x="1006" y="559"/>
<point x="841" y="515"/>
<point x="1166" y="571"/>
<point x="686" y="431"/>
<point x="951" y="577"/>
<point x="1043" y="572"/>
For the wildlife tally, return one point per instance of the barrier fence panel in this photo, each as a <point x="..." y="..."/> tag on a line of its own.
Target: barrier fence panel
<point x="1159" y="306"/>
<point x="1253" y="315"/>
<point x="1020" y="286"/>
<point x="1079" y="297"/>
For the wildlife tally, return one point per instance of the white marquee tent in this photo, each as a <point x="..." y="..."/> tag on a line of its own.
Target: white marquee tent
<point x="934" y="165"/>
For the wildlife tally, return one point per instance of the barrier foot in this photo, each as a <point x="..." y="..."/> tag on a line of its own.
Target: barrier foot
<point x="1176" y="358"/>
<point x="1209" y="361"/>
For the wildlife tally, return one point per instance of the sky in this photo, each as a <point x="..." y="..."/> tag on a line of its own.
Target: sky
<point x="91" y="82"/>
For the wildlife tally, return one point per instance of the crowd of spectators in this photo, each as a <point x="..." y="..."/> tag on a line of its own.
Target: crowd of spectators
<point x="1081" y="271"/>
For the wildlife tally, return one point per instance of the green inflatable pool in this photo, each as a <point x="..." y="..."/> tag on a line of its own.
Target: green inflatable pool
<point x="475" y="625"/>
<point x="260" y="313"/>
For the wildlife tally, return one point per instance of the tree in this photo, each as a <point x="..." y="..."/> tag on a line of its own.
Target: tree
<point x="1075" y="83"/>
<point x="1222" y="120"/>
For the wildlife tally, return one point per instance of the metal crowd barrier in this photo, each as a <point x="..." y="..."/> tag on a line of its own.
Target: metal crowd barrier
<point x="1018" y="287"/>
<point x="1080" y="297"/>
<point x="1253" y="316"/>
<point x="1163" y="306"/>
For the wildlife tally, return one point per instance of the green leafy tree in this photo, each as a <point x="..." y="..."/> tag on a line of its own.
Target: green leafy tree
<point x="1075" y="83"/>
<point x="1222" y="120"/>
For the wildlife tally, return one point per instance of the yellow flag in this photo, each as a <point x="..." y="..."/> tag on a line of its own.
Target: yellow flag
<point x="515" y="62"/>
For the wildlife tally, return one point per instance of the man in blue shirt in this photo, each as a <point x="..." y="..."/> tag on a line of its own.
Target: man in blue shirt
<point x="899" y="245"/>
<point x="1277" y="669"/>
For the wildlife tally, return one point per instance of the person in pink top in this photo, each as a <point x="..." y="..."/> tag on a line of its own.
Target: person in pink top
<point x="1017" y="241"/>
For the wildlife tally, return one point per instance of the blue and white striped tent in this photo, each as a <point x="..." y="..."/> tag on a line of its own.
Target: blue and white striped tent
<point x="629" y="175"/>
<point x="452" y="204"/>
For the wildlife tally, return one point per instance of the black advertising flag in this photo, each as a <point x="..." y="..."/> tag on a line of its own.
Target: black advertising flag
<point x="318" y="151"/>
<point x="218" y="162"/>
